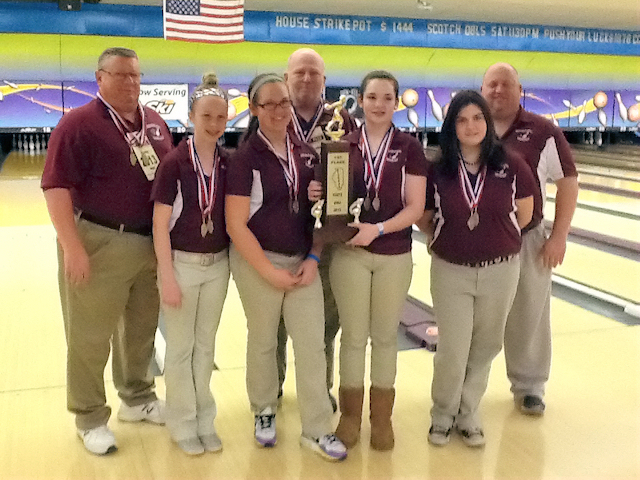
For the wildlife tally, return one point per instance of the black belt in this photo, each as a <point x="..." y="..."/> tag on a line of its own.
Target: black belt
<point x="121" y="227"/>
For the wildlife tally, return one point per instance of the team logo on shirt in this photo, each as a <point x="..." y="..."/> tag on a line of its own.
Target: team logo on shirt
<point x="155" y="132"/>
<point x="309" y="159"/>
<point x="502" y="173"/>
<point x="392" y="156"/>
<point x="523" y="134"/>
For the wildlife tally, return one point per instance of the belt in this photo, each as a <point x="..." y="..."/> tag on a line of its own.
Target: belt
<point x="493" y="261"/>
<point x="204" y="259"/>
<point x="121" y="227"/>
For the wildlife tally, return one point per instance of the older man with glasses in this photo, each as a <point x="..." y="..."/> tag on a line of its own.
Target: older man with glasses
<point x="97" y="182"/>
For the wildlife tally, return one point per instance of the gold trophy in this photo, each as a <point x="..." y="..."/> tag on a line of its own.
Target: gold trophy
<point x="337" y="183"/>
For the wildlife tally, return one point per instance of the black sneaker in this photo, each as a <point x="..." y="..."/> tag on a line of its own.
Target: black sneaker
<point x="532" y="405"/>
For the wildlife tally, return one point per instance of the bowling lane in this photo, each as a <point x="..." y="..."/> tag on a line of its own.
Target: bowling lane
<point x="603" y="223"/>
<point x="609" y="201"/>
<point x="22" y="164"/>
<point x="608" y="182"/>
<point x="608" y="172"/>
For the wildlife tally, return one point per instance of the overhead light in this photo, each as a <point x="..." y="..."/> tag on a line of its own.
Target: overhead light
<point x="424" y="5"/>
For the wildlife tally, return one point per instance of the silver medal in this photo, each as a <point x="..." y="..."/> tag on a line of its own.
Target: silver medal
<point x="295" y="206"/>
<point x="474" y="219"/>
<point x="367" y="203"/>
<point x="376" y="203"/>
<point x="210" y="226"/>
<point x="203" y="229"/>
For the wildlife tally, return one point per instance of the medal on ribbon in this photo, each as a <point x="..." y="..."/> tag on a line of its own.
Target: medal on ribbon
<point x="472" y="194"/>
<point x="206" y="195"/>
<point x="374" y="166"/>
<point x="290" y="171"/>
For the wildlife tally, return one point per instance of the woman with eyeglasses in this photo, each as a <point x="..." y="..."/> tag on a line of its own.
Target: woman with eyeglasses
<point x="478" y="199"/>
<point x="370" y="275"/>
<point x="191" y="245"/>
<point x="275" y="266"/>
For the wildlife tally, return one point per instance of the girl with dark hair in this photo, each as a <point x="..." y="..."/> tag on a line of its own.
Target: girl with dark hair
<point x="275" y="266"/>
<point x="478" y="199"/>
<point x="370" y="275"/>
<point x="191" y="245"/>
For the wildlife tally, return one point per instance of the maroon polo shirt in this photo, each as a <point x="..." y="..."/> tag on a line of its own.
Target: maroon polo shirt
<point x="176" y="184"/>
<point x="88" y="155"/>
<point x="319" y="134"/>
<point x="254" y="171"/>
<point x="405" y="157"/>
<point x="498" y="233"/>
<point x="546" y="151"/>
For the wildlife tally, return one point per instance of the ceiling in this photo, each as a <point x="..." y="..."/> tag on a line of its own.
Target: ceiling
<point x="617" y="14"/>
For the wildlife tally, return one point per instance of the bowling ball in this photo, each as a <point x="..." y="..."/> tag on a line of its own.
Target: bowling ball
<point x="600" y="99"/>
<point x="633" y="113"/>
<point x="410" y="97"/>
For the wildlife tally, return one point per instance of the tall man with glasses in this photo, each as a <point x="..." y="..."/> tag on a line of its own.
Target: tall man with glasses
<point x="97" y="181"/>
<point x="305" y="77"/>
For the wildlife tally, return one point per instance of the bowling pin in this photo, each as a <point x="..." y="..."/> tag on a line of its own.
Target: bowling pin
<point x="14" y="142"/>
<point x="1" y="96"/>
<point x="554" y="120"/>
<point x="583" y="113"/>
<point x="412" y="116"/>
<point x="622" y="110"/>
<point x="11" y="84"/>
<point x="19" y="142"/>
<point x="602" y="117"/>
<point x="32" y="146"/>
<point x="436" y="109"/>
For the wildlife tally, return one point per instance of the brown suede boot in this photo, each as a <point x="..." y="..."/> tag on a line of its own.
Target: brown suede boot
<point x="381" y="404"/>
<point x="348" y="430"/>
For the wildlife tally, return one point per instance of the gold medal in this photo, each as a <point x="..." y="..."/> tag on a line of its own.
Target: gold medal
<point x="204" y="229"/>
<point x="295" y="206"/>
<point x="376" y="203"/>
<point x="210" y="226"/>
<point x="133" y="159"/>
<point x="367" y="203"/>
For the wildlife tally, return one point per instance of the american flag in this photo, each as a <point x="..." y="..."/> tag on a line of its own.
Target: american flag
<point x="210" y="21"/>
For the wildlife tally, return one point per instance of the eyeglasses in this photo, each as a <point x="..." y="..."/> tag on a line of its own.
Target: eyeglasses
<point x="124" y="76"/>
<point x="271" y="106"/>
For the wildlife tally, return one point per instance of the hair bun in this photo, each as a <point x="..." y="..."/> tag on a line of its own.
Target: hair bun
<point x="210" y="80"/>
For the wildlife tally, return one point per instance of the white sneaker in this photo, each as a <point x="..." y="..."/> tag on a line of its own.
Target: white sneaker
<point x="211" y="442"/>
<point x="152" y="412"/>
<point x="191" y="446"/>
<point x="265" y="428"/>
<point x="328" y="447"/>
<point x="439" y="436"/>
<point x="99" y="440"/>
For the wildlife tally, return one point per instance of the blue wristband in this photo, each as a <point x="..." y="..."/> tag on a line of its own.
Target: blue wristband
<point x="315" y="257"/>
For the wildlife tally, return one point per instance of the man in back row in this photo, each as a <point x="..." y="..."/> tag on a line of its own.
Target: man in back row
<point x="97" y="181"/>
<point x="527" y="340"/>
<point x="305" y="77"/>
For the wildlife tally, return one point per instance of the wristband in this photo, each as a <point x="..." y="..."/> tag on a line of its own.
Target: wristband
<point x="314" y="257"/>
<point x="380" y="229"/>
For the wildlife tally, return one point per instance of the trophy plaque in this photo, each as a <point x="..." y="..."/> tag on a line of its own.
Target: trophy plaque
<point x="337" y="208"/>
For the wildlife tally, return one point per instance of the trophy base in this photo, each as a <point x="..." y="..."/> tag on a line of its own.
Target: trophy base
<point x="335" y="230"/>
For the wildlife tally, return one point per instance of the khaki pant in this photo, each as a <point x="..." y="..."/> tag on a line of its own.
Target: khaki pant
<point x="331" y="322"/>
<point x="302" y="310"/>
<point x="370" y="291"/>
<point x="119" y="305"/>
<point x="190" y="334"/>
<point x="471" y="306"/>
<point x="527" y="338"/>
